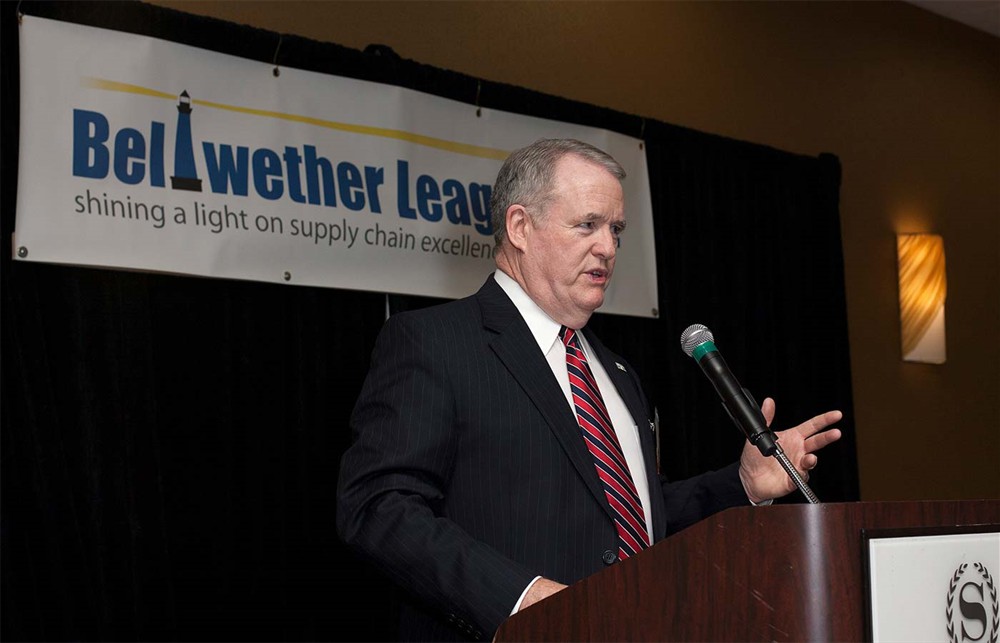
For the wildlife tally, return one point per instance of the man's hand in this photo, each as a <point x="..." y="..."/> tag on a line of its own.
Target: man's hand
<point x="542" y="588"/>
<point x="763" y="478"/>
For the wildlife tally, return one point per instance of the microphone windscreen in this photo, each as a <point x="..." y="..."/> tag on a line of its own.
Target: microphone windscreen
<point x="694" y="336"/>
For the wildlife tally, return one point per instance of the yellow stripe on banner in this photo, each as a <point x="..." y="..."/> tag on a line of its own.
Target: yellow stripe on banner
<point x="365" y="130"/>
<point x="115" y="86"/>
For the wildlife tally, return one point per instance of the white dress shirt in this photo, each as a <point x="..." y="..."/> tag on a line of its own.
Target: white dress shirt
<point x="545" y="330"/>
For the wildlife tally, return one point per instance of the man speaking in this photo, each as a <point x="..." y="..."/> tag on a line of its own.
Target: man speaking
<point x="500" y="450"/>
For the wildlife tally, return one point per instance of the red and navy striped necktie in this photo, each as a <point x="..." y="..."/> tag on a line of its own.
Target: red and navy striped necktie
<point x="602" y="442"/>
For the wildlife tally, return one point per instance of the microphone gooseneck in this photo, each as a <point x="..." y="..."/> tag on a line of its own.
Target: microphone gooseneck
<point x="698" y="342"/>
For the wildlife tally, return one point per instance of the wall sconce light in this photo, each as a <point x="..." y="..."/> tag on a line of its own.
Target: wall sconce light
<point x="922" y="291"/>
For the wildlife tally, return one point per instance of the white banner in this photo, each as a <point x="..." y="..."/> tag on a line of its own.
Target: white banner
<point x="141" y="153"/>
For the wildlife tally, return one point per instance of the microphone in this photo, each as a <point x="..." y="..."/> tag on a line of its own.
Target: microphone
<point x="698" y="342"/>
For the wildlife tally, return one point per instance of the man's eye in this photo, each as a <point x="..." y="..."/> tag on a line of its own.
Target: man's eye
<point x="617" y="230"/>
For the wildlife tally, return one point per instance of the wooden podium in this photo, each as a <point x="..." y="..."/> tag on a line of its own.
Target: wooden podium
<point x="779" y="573"/>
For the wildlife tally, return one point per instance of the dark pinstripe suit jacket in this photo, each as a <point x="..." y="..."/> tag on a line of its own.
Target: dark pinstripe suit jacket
<point x="468" y="476"/>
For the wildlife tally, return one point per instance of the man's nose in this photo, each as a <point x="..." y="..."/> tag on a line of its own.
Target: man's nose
<point x="606" y="245"/>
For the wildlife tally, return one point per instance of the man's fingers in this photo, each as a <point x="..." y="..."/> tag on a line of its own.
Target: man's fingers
<point x="819" y="423"/>
<point x="767" y="410"/>
<point x="820" y="440"/>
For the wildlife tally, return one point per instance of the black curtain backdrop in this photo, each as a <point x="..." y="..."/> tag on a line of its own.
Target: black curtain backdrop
<point x="170" y="445"/>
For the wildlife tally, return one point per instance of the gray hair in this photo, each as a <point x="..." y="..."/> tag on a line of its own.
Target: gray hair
<point x="526" y="177"/>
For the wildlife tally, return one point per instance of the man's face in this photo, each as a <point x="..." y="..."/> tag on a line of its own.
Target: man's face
<point x="569" y="251"/>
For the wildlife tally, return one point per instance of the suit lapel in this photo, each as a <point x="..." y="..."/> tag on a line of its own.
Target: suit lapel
<point x="514" y="345"/>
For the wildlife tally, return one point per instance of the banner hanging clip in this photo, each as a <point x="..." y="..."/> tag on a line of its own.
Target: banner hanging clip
<point x="277" y="72"/>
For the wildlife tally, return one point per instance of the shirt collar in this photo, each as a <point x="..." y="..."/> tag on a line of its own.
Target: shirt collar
<point x="543" y="328"/>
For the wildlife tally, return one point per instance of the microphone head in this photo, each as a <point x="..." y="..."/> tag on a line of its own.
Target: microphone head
<point x="694" y="336"/>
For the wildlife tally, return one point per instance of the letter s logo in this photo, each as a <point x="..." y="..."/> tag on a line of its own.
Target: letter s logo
<point x="974" y="611"/>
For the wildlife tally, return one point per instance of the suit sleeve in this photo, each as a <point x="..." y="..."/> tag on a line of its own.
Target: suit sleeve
<point x="394" y="477"/>
<point x="688" y="501"/>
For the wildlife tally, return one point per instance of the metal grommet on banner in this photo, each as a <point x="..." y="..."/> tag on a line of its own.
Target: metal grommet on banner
<point x="22" y="252"/>
<point x="642" y="135"/>
<point x="277" y="72"/>
<point x="479" y="90"/>
<point x="20" y="15"/>
<point x="288" y="276"/>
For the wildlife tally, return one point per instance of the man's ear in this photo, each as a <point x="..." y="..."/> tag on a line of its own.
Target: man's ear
<point x="518" y="226"/>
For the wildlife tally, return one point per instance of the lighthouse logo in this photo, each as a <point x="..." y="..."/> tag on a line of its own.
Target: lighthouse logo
<point x="185" y="173"/>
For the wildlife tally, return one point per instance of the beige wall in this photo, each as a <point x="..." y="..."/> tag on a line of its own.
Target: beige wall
<point x="908" y="100"/>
